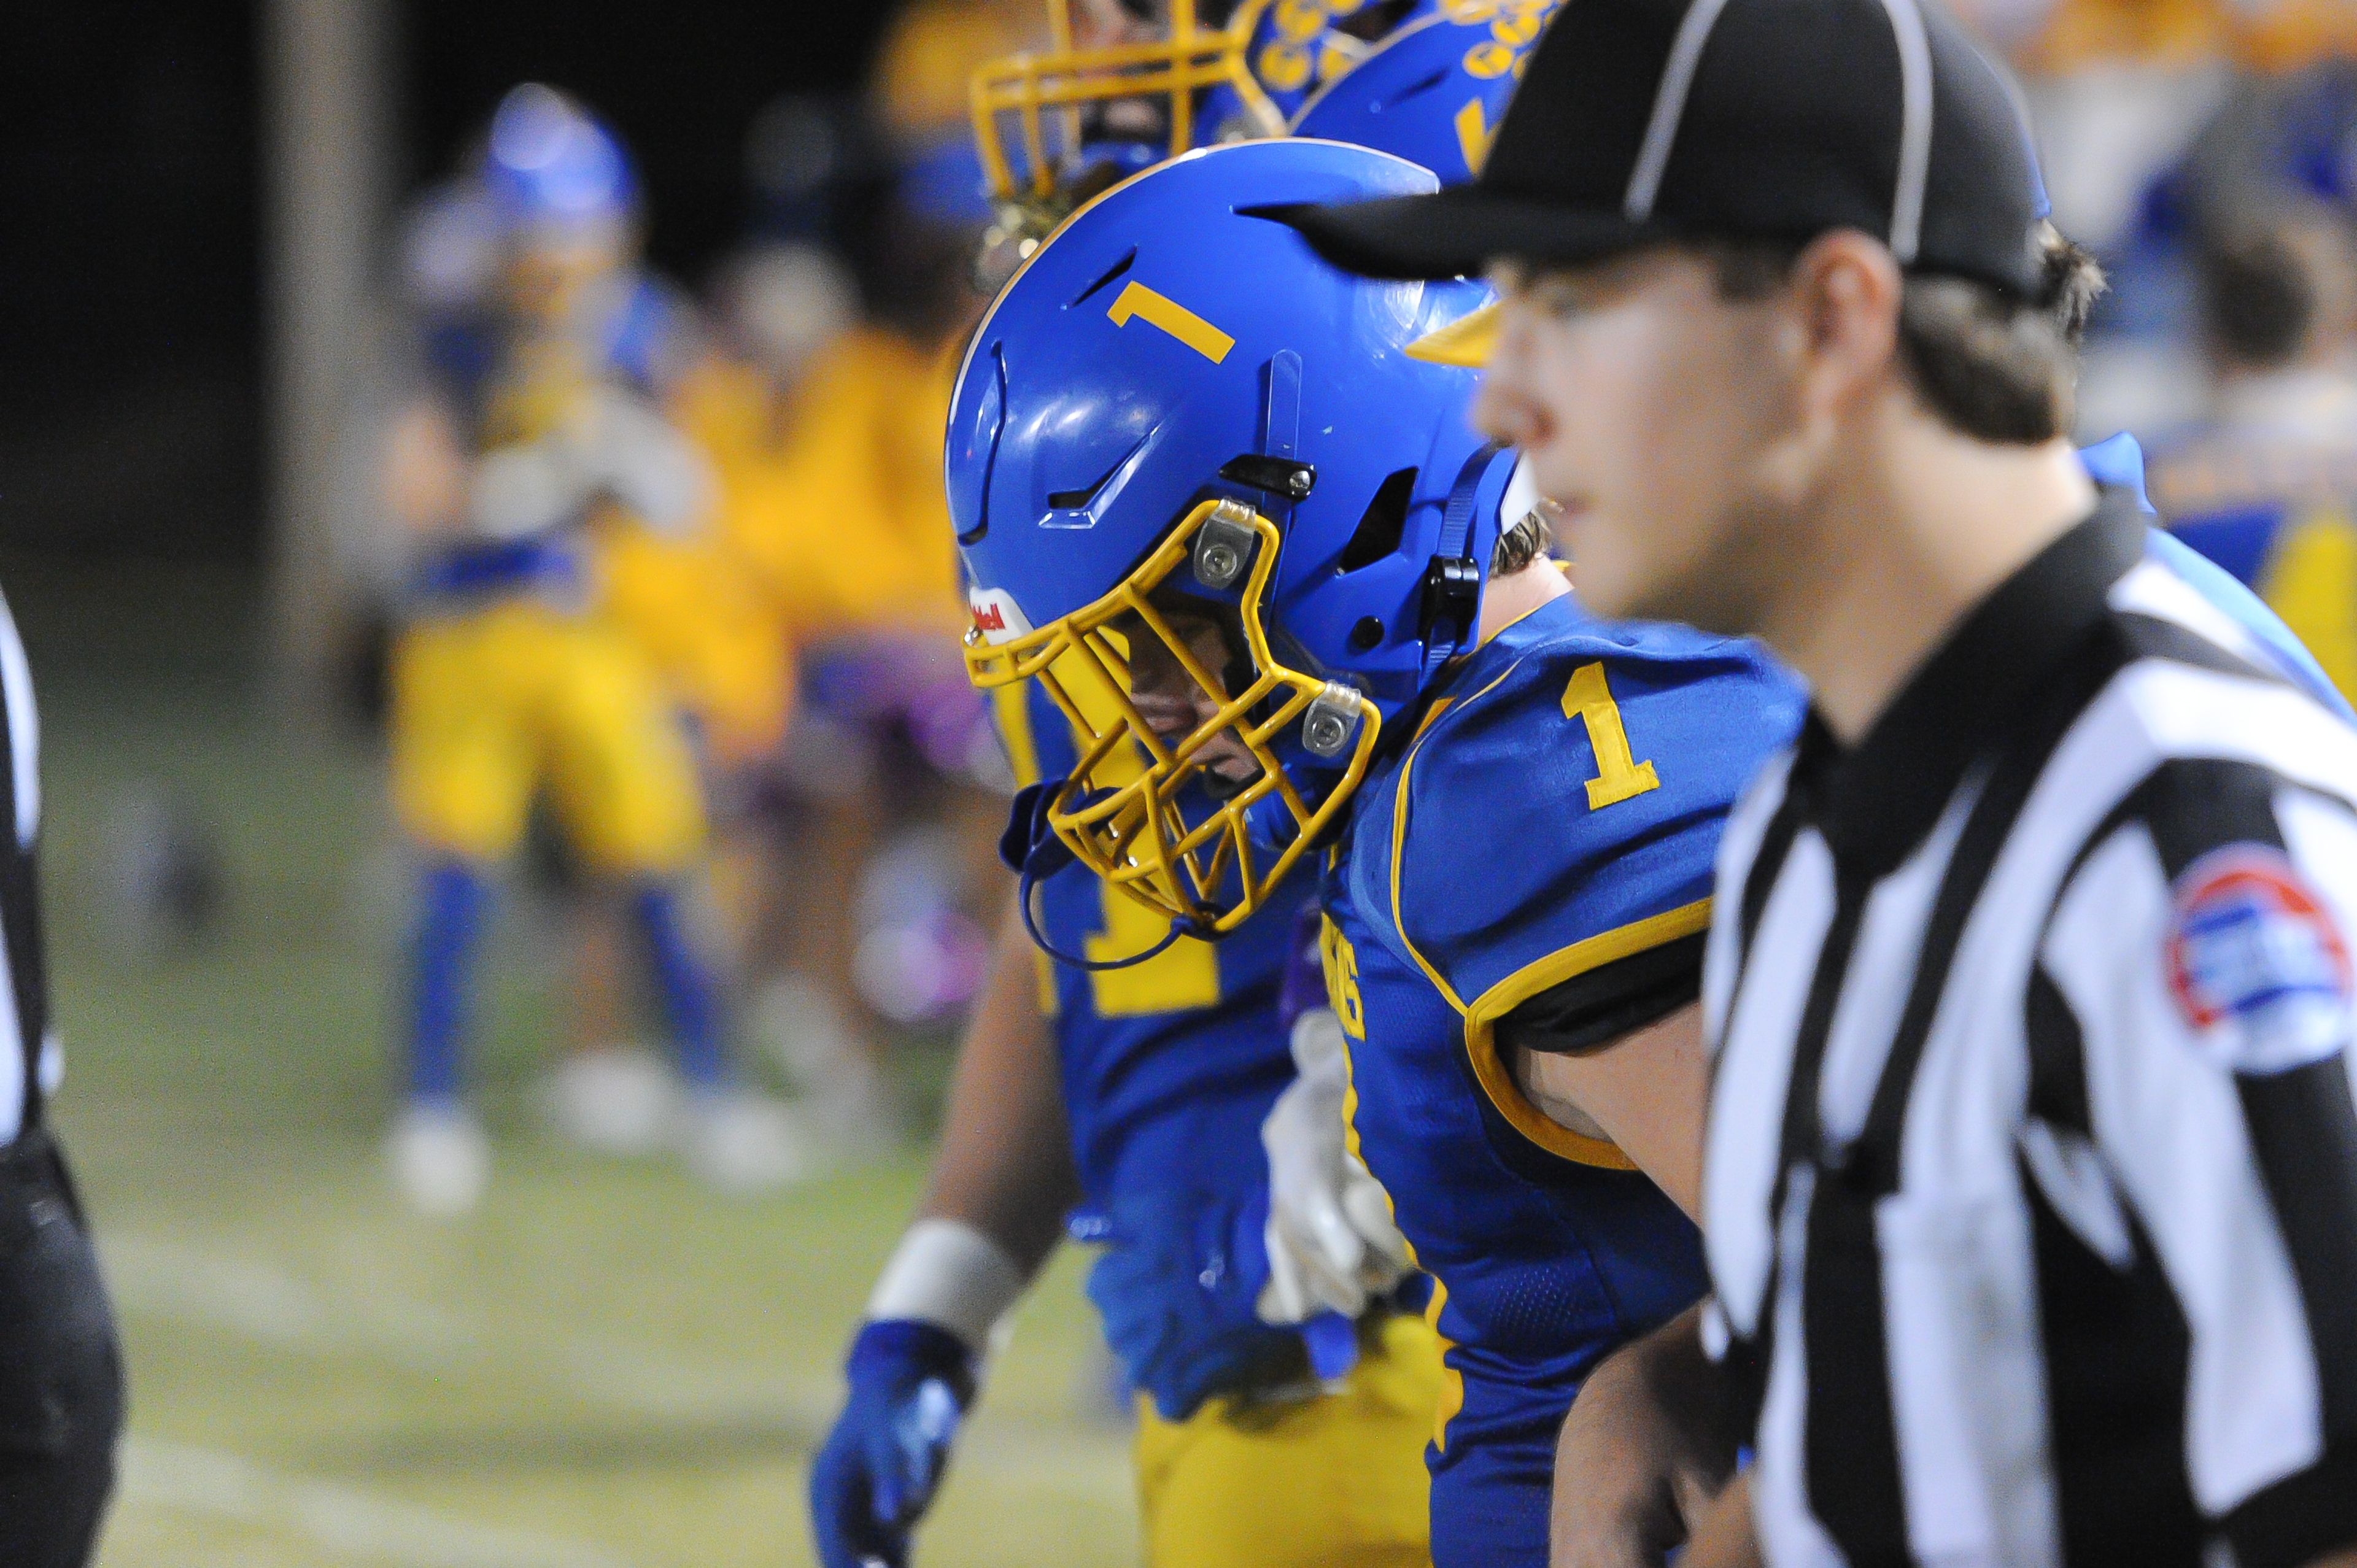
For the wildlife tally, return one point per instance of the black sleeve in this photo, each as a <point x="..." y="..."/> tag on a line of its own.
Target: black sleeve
<point x="1591" y="1011"/>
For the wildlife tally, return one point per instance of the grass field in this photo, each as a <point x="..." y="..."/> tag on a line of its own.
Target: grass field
<point x="604" y="1366"/>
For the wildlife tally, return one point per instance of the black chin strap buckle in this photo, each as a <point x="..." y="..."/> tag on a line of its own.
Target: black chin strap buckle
<point x="1452" y="599"/>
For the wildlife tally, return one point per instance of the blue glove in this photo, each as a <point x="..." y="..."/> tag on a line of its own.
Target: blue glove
<point x="875" y="1477"/>
<point x="1178" y="1285"/>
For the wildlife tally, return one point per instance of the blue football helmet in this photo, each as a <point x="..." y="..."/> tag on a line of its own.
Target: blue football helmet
<point x="1434" y="90"/>
<point x="1299" y="46"/>
<point x="551" y="168"/>
<point x="1175" y="405"/>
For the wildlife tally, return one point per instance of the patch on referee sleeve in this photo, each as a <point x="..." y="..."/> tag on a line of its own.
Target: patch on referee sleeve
<point x="2255" y="963"/>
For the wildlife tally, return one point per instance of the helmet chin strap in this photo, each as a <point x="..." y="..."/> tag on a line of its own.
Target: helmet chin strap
<point x="1452" y="583"/>
<point x="1030" y="848"/>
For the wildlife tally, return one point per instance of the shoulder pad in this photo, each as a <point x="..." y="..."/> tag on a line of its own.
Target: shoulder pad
<point x="1574" y="801"/>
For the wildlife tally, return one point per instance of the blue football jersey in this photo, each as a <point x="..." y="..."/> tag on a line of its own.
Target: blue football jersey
<point x="1557" y="811"/>
<point x="1169" y="1067"/>
<point x="638" y="340"/>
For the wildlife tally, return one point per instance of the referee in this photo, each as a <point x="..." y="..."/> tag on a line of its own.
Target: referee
<point x="60" y="1375"/>
<point x="2030" y="1182"/>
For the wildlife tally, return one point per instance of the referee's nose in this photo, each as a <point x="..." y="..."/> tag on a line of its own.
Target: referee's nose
<point x="1506" y="407"/>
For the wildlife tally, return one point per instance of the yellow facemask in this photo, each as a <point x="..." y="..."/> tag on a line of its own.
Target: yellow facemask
<point x="1027" y="107"/>
<point x="1121" y="816"/>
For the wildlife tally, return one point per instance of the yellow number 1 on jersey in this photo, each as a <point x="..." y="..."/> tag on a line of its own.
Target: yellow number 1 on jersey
<point x="1618" y="776"/>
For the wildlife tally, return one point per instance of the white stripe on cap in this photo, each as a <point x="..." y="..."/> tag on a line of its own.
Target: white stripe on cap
<point x="1669" y="107"/>
<point x="1914" y="127"/>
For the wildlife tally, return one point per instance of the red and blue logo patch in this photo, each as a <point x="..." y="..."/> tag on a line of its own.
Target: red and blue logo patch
<point x="2255" y="963"/>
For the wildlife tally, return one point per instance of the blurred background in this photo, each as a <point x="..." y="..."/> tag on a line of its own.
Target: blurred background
<point x="491" y="1156"/>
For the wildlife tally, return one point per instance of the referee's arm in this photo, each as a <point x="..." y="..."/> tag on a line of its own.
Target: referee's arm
<point x="2189" y="1023"/>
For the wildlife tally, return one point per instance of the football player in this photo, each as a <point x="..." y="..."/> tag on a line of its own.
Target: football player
<point x="1160" y="1098"/>
<point x="1123" y="84"/>
<point x="1241" y="491"/>
<point x="2267" y="486"/>
<point x="830" y="498"/>
<point x="508" y="673"/>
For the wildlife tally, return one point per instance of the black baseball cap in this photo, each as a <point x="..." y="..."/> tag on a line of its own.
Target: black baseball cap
<point x="1644" y="121"/>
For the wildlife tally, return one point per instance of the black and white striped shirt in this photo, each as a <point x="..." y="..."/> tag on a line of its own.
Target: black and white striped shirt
<point x="2030" y="1191"/>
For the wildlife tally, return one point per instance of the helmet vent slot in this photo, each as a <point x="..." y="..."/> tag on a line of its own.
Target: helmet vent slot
<point x="1111" y="272"/>
<point x="1416" y="89"/>
<point x="1073" y="500"/>
<point x="1382" y="525"/>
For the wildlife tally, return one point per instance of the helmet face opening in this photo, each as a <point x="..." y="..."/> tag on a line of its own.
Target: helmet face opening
<point x="1119" y="811"/>
<point x="1034" y="112"/>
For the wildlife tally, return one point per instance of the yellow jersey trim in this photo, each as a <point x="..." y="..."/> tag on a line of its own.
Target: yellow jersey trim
<point x="1452" y="1387"/>
<point x="1399" y="832"/>
<point x="1013" y="714"/>
<point x="1015" y="728"/>
<point x="1431" y="714"/>
<point x="1592" y="952"/>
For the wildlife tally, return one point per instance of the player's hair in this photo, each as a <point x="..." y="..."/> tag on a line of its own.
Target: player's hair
<point x="2261" y="285"/>
<point x="1990" y="363"/>
<point x="1521" y="544"/>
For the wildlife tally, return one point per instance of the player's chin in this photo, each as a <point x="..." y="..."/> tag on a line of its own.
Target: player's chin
<point x="1225" y="777"/>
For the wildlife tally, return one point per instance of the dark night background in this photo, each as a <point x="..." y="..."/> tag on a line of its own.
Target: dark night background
<point x="131" y="218"/>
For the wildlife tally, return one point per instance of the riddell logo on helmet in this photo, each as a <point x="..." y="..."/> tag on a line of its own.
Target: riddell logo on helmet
<point x="996" y="615"/>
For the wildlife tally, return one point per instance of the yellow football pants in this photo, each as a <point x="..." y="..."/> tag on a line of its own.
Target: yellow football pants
<point x="1335" y="1481"/>
<point x="492" y="704"/>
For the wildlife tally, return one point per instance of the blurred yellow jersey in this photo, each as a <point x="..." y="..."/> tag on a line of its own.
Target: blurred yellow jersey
<point x="842" y="512"/>
<point x="2272" y="35"/>
<point x="729" y="410"/>
<point x="2287" y="35"/>
<point x="712" y="632"/>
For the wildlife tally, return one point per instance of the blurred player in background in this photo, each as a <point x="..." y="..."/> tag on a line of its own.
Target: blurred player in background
<point x="720" y="638"/>
<point x="511" y="675"/>
<point x="2265" y="486"/>
<point x="885" y="790"/>
<point x="1137" y="1096"/>
<point x="2156" y="119"/>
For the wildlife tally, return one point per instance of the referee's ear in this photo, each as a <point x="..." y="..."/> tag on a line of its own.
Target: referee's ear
<point x="1844" y="293"/>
